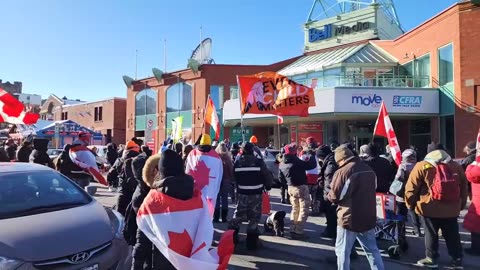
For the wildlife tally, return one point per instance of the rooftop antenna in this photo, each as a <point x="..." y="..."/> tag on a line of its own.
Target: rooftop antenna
<point x="165" y="55"/>
<point x="136" y="62"/>
<point x="201" y="55"/>
<point x="322" y="9"/>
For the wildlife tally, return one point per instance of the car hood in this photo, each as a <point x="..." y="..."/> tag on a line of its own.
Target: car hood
<point x="55" y="234"/>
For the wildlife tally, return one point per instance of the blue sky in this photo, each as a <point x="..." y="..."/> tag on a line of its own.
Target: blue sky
<point x="81" y="48"/>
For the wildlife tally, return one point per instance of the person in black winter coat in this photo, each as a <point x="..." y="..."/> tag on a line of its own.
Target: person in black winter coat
<point x="293" y="171"/>
<point x="39" y="154"/>
<point x="328" y="168"/>
<point x="173" y="182"/>
<point x="127" y="182"/>
<point x="112" y="154"/>
<point x="3" y="155"/>
<point x="23" y="153"/>
<point x="382" y="168"/>
<point x="142" y="251"/>
<point x="471" y="151"/>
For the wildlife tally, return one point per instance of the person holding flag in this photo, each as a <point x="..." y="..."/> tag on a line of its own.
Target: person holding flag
<point x="472" y="218"/>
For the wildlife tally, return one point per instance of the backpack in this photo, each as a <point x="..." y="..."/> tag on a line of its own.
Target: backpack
<point x="130" y="228"/>
<point x="445" y="187"/>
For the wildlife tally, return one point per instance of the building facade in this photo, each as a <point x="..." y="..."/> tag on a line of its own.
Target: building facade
<point x="52" y="103"/>
<point x="152" y="104"/>
<point x="427" y="77"/>
<point x="107" y="116"/>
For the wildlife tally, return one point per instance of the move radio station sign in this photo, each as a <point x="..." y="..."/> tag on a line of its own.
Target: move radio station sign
<point x="330" y="31"/>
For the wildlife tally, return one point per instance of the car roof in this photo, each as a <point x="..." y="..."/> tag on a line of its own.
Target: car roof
<point x="21" y="166"/>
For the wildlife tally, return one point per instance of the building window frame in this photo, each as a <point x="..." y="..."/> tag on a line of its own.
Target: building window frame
<point x="234" y="94"/>
<point x="440" y="83"/>
<point x="98" y="114"/>
<point x="217" y="100"/>
<point x="64" y="116"/>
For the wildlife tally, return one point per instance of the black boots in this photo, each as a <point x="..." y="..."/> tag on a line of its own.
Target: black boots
<point x="224" y="215"/>
<point x="252" y="240"/>
<point x="216" y="215"/>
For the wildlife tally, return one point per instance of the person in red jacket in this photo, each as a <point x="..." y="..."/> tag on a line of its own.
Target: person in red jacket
<point x="472" y="218"/>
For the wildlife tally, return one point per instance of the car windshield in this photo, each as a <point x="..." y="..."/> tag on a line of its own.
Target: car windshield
<point x="33" y="192"/>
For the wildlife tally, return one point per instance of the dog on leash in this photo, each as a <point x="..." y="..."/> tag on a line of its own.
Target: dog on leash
<point x="275" y="223"/>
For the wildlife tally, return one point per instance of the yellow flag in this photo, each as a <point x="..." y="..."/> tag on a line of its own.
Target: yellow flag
<point x="177" y="123"/>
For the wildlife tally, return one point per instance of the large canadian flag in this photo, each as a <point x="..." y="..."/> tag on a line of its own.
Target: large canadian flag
<point x="211" y="117"/>
<point x="384" y="128"/>
<point x="84" y="158"/>
<point x="183" y="231"/>
<point x="12" y="111"/>
<point x="206" y="168"/>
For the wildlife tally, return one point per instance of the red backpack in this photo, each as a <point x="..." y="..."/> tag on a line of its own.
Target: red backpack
<point x="445" y="186"/>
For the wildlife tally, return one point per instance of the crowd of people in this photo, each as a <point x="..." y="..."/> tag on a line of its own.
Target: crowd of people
<point x="331" y="180"/>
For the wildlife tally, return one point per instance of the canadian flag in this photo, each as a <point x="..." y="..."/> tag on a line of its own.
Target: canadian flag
<point x="211" y="117"/>
<point x="279" y="119"/>
<point x="183" y="231"/>
<point x="384" y="128"/>
<point x="84" y="158"/>
<point x="206" y="168"/>
<point x="12" y="111"/>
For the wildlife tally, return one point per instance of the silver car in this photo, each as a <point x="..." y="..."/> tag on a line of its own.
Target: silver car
<point x="270" y="159"/>
<point x="48" y="222"/>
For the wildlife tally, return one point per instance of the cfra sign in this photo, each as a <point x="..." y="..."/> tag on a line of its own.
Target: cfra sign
<point x="330" y="31"/>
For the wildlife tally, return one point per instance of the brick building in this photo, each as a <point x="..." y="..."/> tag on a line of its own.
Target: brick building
<point x="12" y="88"/>
<point x="107" y="116"/>
<point x="52" y="103"/>
<point x="152" y="105"/>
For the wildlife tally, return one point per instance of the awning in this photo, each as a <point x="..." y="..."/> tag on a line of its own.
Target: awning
<point x="352" y="55"/>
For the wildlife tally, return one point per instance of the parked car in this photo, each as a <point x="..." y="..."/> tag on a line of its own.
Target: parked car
<point x="270" y="158"/>
<point x="101" y="151"/>
<point x="54" y="153"/>
<point x="48" y="222"/>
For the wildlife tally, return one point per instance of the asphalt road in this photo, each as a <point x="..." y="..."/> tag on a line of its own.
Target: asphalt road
<point x="313" y="253"/>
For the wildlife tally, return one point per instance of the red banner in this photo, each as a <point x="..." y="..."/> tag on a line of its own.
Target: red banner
<point x="272" y="93"/>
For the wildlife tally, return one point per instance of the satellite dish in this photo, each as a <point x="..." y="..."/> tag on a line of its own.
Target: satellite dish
<point x="157" y="73"/>
<point x="127" y="80"/>
<point x="202" y="54"/>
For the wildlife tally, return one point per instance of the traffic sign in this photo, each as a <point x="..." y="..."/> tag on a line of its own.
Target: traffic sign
<point x="150" y="123"/>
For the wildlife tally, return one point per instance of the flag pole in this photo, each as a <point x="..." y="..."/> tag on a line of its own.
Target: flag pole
<point x="278" y="130"/>
<point x="241" y="113"/>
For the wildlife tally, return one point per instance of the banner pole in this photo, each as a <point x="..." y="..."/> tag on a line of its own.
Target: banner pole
<point x="278" y="127"/>
<point x="241" y="113"/>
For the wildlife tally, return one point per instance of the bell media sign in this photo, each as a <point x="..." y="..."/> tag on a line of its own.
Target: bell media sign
<point x="330" y="31"/>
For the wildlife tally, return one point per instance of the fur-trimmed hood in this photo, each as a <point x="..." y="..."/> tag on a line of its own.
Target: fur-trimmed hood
<point x="150" y="170"/>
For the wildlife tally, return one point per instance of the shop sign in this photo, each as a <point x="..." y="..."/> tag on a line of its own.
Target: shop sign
<point x="311" y="126"/>
<point x="407" y="101"/>
<point x="330" y="31"/>
<point x="367" y="100"/>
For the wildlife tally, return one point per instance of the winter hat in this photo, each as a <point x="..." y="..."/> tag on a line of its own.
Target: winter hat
<point x="470" y="147"/>
<point x="323" y="151"/>
<point x="170" y="164"/>
<point x="253" y="139"/>
<point x="409" y="156"/>
<point x="132" y="146"/>
<point x="343" y="153"/>
<point x="290" y="149"/>
<point x="206" y="140"/>
<point x="84" y="136"/>
<point x="364" y="150"/>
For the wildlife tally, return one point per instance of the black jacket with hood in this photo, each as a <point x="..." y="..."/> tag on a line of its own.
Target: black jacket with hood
<point x="328" y="169"/>
<point x="39" y="154"/>
<point x="468" y="160"/>
<point x="292" y="170"/>
<point x="382" y="168"/>
<point x="23" y="153"/>
<point x="127" y="182"/>
<point x="112" y="154"/>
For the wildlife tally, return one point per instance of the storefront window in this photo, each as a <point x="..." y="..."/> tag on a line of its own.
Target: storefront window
<point x="447" y="129"/>
<point x="420" y="136"/>
<point x="234" y="92"/>
<point x="146" y="102"/>
<point x="445" y="65"/>
<point x="179" y="97"/>
<point x="216" y="93"/>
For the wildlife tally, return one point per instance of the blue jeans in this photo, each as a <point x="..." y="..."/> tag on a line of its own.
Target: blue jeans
<point x="344" y="245"/>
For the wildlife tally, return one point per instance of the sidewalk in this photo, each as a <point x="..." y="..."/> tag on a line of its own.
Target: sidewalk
<point x="313" y="253"/>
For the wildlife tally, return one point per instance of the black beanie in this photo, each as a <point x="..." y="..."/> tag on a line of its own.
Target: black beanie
<point x="323" y="151"/>
<point x="170" y="164"/>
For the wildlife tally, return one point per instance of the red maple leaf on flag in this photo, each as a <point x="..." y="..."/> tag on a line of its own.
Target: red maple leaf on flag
<point x="201" y="174"/>
<point x="181" y="243"/>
